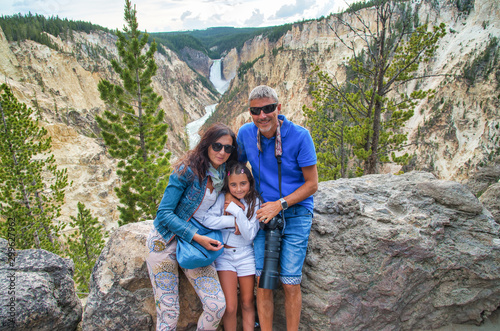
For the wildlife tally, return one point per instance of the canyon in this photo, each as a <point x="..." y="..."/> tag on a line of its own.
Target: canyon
<point x="461" y="125"/>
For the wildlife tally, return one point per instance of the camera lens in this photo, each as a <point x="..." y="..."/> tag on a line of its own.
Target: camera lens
<point x="270" y="273"/>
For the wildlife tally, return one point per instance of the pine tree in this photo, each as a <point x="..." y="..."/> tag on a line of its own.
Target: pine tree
<point x="390" y="57"/>
<point x="330" y="127"/>
<point x="133" y="127"/>
<point x="31" y="186"/>
<point x="84" y="245"/>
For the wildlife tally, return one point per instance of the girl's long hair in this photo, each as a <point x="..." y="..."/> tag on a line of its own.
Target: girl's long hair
<point x="197" y="159"/>
<point x="252" y="196"/>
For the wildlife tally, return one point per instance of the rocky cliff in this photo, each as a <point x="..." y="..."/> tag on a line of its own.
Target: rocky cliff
<point x="62" y="87"/>
<point x="457" y="131"/>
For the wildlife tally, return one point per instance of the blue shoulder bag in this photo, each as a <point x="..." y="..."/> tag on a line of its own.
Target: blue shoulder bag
<point x="191" y="255"/>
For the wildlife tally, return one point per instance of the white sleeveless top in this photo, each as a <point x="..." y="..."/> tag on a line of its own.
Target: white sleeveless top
<point x="207" y="202"/>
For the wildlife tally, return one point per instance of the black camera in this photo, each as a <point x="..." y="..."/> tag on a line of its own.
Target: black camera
<point x="270" y="273"/>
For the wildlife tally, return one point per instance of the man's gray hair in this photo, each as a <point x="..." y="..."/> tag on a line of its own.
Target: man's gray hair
<point x="263" y="91"/>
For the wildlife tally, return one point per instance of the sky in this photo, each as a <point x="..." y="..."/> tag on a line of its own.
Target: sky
<point x="178" y="15"/>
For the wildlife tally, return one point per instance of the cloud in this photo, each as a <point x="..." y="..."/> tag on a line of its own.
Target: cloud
<point x="185" y="15"/>
<point x="256" y="19"/>
<point x="44" y="7"/>
<point x="298" y="8"/>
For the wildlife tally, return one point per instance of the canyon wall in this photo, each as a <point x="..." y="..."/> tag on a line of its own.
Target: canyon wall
<point x="451" y="135"/>
<point x="62" y="87"/>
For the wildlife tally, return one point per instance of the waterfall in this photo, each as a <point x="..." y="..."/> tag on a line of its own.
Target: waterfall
<point x="216" y="77"/>
<point x="221" y="86"/>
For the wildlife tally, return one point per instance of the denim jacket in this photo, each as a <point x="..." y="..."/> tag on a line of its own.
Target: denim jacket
<point x="180" y="201"/>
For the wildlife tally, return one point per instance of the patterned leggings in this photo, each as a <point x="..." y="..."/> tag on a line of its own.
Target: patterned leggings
<point x="164" y="275"/>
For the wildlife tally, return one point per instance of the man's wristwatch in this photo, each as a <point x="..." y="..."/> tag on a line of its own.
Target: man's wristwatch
<point x="284" y="204"/>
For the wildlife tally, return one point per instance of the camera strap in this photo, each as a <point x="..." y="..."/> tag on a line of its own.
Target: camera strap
<point x="278" y="152"/>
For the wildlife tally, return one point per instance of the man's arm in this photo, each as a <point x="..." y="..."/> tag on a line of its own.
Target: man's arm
<point x="270" y="209"/>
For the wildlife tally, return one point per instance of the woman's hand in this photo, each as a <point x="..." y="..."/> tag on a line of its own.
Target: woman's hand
<point x="207" y="242"/>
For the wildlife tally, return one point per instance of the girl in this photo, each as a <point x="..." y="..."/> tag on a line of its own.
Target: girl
<point x="237" y="264"/>
<point x="192" y="189"/>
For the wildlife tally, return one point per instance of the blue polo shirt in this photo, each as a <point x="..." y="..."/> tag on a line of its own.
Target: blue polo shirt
<point x="298" y="152"/>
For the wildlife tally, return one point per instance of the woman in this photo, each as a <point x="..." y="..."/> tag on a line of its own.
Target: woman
<point x="192" y="189"/>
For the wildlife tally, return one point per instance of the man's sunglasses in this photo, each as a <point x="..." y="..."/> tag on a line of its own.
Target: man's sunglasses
<point x="266" y="109"/>
<point x="227" y="148"/>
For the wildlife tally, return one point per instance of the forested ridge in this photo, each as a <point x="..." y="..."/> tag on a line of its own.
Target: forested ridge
<point x="212" y="41"/>
<point x="35" y="27"/>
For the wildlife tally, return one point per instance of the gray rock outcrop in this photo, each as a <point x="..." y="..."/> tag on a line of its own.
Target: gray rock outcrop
<point x="399" y="253"/>
<point x="386" y="252"/>
<point x="37" y="290"/>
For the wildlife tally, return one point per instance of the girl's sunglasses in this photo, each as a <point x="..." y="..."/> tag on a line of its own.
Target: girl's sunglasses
<point x="218" y="146"/>
<point x="266" y="109"/>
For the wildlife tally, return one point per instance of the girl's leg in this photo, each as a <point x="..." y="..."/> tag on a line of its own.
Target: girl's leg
<point x="247" y="284"/>
<point x="164" y="276"/>
<point x="229" y="283"/>
<point x="207" y="286"/>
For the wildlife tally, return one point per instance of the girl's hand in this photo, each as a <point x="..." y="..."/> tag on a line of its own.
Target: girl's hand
<point x="228" y="198"/>
<point x="207" y="242"/>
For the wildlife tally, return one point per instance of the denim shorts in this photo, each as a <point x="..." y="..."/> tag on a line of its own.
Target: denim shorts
<point x="294" y="241"/>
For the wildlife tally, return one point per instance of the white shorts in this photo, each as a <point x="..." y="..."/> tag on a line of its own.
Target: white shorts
<point x="239" y="259"/>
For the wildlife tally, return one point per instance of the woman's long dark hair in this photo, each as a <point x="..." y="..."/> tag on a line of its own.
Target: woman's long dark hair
<point x="252" y="195"/>
<point x="197" y="159"/>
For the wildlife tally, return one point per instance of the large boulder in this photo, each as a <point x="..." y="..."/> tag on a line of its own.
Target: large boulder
<point x="385" y="253"/>
<point x="401" y="252"/>
<point x="121" y="297"/>
<point x="37" y="291"/>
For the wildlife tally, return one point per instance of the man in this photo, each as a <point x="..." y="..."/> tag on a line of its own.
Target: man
<point x="259" y="142"/>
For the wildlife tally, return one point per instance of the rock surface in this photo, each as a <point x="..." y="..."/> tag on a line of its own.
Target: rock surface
<point x="385" y="253"/>
<point x="42" y="285"/>
<point x="399" y="253"/>
<point x="121" y="297"/>
<point x="491" y="200"/>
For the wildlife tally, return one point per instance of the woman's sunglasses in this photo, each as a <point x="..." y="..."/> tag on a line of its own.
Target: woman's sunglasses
<point x="218" y="146"/>
<point x="266" y="109"/>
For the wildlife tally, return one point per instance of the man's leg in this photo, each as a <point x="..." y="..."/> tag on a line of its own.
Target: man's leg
<point x="293" y="306"/>
<point x="265" y="308"/>
<point x="293" y="252"/>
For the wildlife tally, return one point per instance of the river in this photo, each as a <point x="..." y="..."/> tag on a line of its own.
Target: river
<point x="221" y="86"/>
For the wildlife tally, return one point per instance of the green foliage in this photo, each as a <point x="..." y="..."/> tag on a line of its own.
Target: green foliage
<point x="362" y="119"/>
<point x="244" y="67"/>
<point x="177" y="42"/>
<point x="356" y="6"/>
<point x="133" y="127"/>
<point x="212" y="41"/>
<point x="84" y="245"/>
<point x="329" y="124"/>
<point x="215" y="42"/>
<point x="464" y="6"/>
<point x="31" y="186"/>
<point x="276" y="32"/>
<point x="35" y="27"/>
<point x="484" y="63"/>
